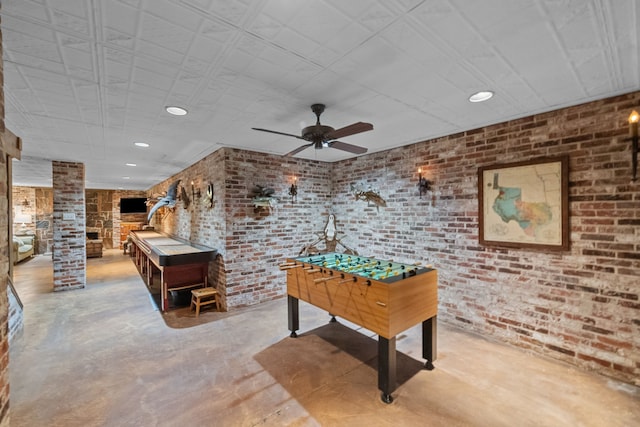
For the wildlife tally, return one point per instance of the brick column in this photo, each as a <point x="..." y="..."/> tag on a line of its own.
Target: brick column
<point x="69" y="224"/>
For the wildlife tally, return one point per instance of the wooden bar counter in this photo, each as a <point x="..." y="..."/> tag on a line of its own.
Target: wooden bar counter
<point x="181" y="264"/>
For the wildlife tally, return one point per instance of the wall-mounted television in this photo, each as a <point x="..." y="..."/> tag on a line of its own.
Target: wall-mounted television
<point x="133" y="205"/>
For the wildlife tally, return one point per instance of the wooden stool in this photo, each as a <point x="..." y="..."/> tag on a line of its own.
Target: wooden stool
<point x="204" y="296"/>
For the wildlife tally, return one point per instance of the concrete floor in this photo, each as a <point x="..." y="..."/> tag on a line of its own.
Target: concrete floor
<point x="103" y="356"/>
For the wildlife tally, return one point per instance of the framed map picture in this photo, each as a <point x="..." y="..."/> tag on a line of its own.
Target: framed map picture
<point x="525" y="204"/>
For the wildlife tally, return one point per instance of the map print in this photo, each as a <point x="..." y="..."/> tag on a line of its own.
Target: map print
<point x="523" y="204"/>
<point x="530" y="216"/>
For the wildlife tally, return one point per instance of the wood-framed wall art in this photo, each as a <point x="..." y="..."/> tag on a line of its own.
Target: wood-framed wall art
<point x="525" y="204"/>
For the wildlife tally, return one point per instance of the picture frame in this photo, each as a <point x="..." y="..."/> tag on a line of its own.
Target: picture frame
<point x="525" y="204"/>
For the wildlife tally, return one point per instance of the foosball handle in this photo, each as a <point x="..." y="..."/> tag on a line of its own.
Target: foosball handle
<point x="289" y="266"/>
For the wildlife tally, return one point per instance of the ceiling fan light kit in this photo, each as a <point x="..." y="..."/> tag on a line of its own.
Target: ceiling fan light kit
<point x="321" y="136"/>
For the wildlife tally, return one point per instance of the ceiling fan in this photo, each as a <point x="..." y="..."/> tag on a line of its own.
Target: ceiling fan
<point x="325" y="136"/>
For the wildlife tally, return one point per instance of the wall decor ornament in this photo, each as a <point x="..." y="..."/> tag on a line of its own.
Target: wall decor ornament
<point x="263" y="197"/>
<point x="169" y="200"/>
<point x="330" y="238"/>
<point x="525" y="204"/>
<point x="207" y="201"/>
<point x="372" y="198"/>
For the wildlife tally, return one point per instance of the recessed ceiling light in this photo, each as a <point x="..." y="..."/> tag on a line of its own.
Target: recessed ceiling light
<point x="130" y="164"/>
<point x="126" y="177"/>
<point x="483" y="95"/>
<point x="141" y="144"/>
<point x="176" y="111"/>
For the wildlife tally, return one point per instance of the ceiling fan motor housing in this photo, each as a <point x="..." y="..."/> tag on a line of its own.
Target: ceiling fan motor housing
<point x="315" y="133"/>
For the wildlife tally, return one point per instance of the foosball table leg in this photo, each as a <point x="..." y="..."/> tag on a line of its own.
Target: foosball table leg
<point x="386" y="367"/>
<point x="294" y="323"/>
<point x="429" y="342"/>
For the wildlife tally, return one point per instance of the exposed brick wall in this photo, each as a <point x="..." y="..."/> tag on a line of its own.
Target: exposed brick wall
<point x="69" y="238"/>
<point x="251" y="243"/>
<point x="4" y="265"/>
<point x="580" y="306"/>
<point x="257" y="242"/>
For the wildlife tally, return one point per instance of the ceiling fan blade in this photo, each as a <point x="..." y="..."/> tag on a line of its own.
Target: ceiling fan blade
<point x="279" y="133"/>
<point x="299" y="149"/>
<point x="347" y="147"/>
<point x="349" y="130"/>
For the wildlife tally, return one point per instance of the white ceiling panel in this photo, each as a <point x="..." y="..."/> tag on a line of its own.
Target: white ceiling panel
<point x="68" y="22"/>
<point x="28" y="10"/>
<point x="305" y="22"/>
<point x="84" y="79"/>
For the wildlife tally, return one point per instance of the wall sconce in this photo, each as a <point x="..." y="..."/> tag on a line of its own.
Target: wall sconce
<point x="633" y="131"/>
<point x="424" y="184"/>
<point x="293" y="190"/>
<point x="25" y="203"/>
<point x="194" y="193"/>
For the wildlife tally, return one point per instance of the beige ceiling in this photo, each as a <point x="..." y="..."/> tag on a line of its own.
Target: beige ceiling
<point x="84" y="79"/>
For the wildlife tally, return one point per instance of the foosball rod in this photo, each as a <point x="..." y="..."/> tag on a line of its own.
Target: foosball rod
<point x="386" y="272"/>
<point x="316" y="261"/>
<point x="326" y="279"/>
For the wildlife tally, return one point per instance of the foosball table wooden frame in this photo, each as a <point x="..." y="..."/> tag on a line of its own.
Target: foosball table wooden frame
<point x="386" y="306"/>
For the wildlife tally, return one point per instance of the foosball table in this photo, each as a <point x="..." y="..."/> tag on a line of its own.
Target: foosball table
<point x="384" y="297"/>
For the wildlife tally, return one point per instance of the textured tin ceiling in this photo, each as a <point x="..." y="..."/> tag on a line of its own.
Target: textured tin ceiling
<point x="84" y="79"/>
